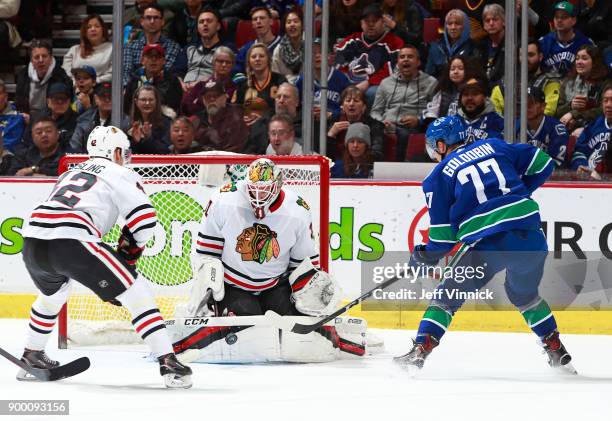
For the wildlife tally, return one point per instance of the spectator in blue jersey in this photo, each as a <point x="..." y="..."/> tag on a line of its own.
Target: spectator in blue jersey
<point x="367" y="57"/>
<point x="544" y="132"/>
<point x="491" y="49"/>
<point x="579" y="102"/>
<point x="477" y="111"/>
<point x="336" y="83"/>
<point x="261" y="19"/>
<point x="592" y="153"/>
<point x="402" y="98"/>
<point x="152" y="21"/>
<point x="559" y="47"/>
<point x="12" y="123"/>
<point x="480" y="195"/>
<point x="548" y="82"/>
<point x="357" y="160"/>
<point x="455" y="42"/>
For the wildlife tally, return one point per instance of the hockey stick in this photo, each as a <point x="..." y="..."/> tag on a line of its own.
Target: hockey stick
<point x="50" y="374"/>
<point x="302" y="329"/>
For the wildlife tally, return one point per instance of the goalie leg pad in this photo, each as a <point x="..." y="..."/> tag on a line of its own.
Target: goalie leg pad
<point x="352" y="333"/>
<point x="207" y="274"/>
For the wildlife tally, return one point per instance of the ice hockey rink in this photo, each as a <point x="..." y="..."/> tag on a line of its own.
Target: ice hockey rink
<point x="471" y="375"/>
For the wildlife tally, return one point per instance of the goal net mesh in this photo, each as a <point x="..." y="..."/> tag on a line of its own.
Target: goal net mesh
<point x="179" y="191"/>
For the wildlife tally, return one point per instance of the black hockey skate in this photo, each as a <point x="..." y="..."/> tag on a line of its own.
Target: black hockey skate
<point x="558" y="357"/>
<point x="36" y="359"/>
<point x="176" y="375"/>
<point x="418" y="354"/>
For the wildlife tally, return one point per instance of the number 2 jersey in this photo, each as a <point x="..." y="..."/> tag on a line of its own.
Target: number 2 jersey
<point x="482" y="189"/>
<point x="256" y="252"/>
<point x="87" y="200"/>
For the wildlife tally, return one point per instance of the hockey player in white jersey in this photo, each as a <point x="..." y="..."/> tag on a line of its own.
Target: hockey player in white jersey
<point x="63" y="241"/>
<point x="255" y="250"/>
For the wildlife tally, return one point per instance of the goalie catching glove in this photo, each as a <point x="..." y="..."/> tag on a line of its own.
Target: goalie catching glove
<point x="315" y="292"/>
<point x="128" y="248"/>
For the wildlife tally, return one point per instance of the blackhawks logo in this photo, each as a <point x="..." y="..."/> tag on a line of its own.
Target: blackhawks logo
<point x="258" y="244"/>
<point x="301" y="202"/>
<point x="229" y="187"/>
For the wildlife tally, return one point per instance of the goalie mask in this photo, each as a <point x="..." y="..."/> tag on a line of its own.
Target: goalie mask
<point x="103" y="141"/>
<point x="263" y="184"/>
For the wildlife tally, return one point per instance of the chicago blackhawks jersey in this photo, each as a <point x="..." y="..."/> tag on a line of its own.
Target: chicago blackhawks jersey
<point x="256" y="252"/>
<point x="592" y="145"/>
<point x="482" y="189"/>
<point x="551" y="136"/>
<point x="87" y="200"/>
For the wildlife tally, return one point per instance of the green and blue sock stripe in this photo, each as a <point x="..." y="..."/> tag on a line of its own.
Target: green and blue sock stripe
<point x="540" y="319"/>
<point x="435" y="322"/>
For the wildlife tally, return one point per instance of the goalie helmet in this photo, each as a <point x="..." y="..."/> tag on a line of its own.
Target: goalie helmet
<point x="103" y="141"/>
<point x="449" y="130"/>
<point x="263" y="183"/>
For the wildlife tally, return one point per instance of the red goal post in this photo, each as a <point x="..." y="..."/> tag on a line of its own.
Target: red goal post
<point x="179" y="187"/>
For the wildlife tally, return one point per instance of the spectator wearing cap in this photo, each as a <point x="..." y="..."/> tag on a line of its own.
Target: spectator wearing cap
<point x="546" y="81"/>
<point x="12" y="123"/>
<point x="559" y="47"/>
<point x="336" y="83"/>
<point x="184" y="26"/>
<point x="94" y="50"/>
<point x="402" y="98"/>
<point x="200" y="53"/>
<point x="478" y="113"/>
<point x="367" y="57"/>
<point x="182" y="136"/>
<point x="35" y="78"/>
<point x="544" y="132"/>
<point x="491" y="50"/>
<point x="85" y="78"/>
<point x="357" y="159"/>
<point x="58" y="109"/>
<point x="152" y="21"/>
<point x="42" y="157"/>
<point x="261" y="19"/>
<point x="592" y="154"/>
<point x="287" y="56"/>
<point x="222" y="127"/>
<point x="579" y="101"/>
<point x="282" y="136"/>
<point x="455" y="42"/>
<point x="98" y="115"/>
<point x="153" y="73"/>
<point x="147" y="127"/>
<point x="223" y="61"/>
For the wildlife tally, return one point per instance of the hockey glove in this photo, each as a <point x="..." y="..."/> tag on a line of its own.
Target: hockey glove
<point x="315" y="292"/>
<point x="421" y="258"/>
<point x="128" y="248"/>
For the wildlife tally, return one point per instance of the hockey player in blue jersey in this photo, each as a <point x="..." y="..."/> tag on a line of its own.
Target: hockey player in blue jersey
<point x="594" y="142"/>
<point x="544" y="132"/>
<point x="480" y="195"/>
<point x="560" y="46"/>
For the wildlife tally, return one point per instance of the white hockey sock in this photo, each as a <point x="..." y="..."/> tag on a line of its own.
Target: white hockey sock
<point x="43" y="316"/>
<point x="146" y="318"/>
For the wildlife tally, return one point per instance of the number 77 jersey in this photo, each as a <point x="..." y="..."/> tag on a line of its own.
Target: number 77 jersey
<point x="482" y="189"/>
<point x="86" y="202"/>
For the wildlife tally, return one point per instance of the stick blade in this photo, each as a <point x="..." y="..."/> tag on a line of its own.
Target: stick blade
<point x="304" y="329"/>
<point x="62" y="372"/>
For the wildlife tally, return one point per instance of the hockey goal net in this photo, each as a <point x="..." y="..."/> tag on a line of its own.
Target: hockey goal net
<point x="179" y="187"/>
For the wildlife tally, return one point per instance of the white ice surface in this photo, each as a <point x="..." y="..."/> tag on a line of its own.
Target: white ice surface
<point x="470" y="376"/>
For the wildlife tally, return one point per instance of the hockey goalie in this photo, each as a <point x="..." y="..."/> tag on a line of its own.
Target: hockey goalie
<point x="255" y="252"/>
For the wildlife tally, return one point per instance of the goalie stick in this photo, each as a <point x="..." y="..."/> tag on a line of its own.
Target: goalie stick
<point x="50" y="374"/>
<point x="302" y="329"/>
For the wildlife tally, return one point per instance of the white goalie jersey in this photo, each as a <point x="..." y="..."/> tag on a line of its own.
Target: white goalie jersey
<point x="87" y="200"/>
<point x="256" y="252"/>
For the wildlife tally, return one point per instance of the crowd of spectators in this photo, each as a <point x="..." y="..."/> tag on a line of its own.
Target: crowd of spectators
<point x="201" y="75"/>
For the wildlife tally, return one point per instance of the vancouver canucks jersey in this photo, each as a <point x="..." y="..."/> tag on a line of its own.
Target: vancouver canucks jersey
<point x="558" y="57"/>
<point x="256" y="252"/>
<point x="489" y="125"/>
<point x="592" y="144"/>
<point x="482" y="189"/>
<point x="551" y="136"/>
